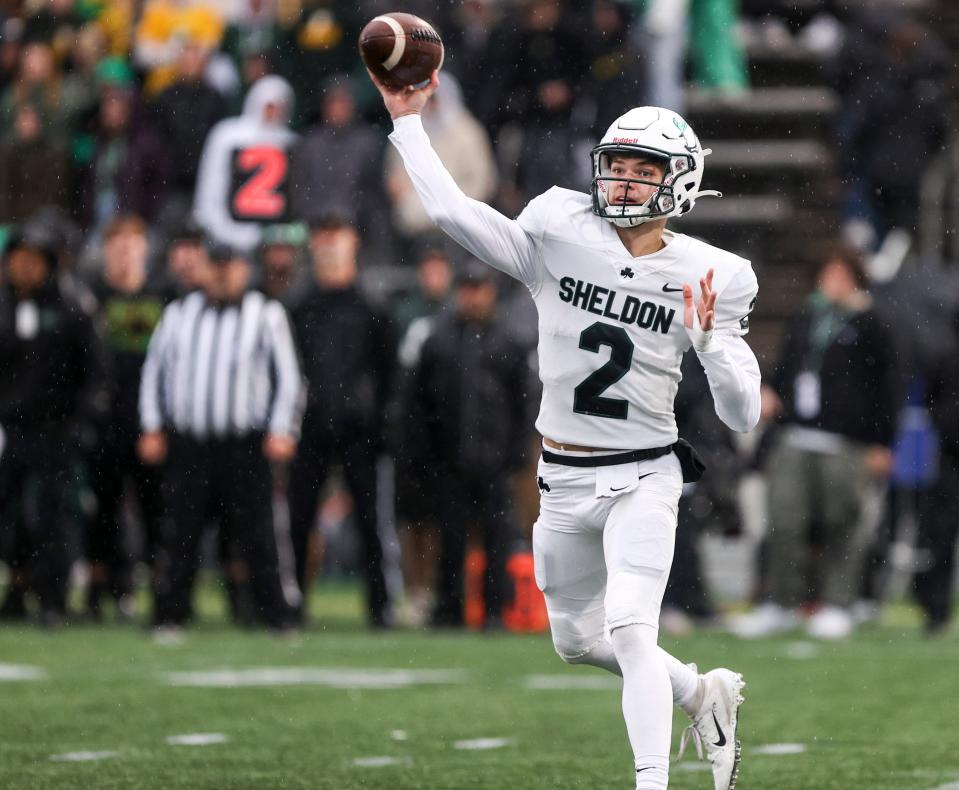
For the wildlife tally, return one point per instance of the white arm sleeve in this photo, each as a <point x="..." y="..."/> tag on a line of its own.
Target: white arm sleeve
<point x="730" y="365"/>
<point x="501" y="242"/>
<point x="733" y="374"/>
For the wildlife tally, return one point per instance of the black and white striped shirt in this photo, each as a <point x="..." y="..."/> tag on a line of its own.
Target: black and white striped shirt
<point x="222" y="371"/>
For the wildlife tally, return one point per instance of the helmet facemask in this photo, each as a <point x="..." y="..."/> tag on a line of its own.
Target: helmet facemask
<point x="660" y="204"/>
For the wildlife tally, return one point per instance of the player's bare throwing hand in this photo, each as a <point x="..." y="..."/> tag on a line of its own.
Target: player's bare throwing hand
<point x="620" y="299"/>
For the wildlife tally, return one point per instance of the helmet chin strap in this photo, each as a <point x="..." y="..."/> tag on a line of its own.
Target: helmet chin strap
<point x="631" y="221"/>
<point x="642" y="209"/>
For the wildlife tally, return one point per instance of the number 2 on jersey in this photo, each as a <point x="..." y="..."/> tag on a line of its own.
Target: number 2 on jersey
<point x="588" y="397"/>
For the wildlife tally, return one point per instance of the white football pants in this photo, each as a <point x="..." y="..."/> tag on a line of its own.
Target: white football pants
<point x="603" y="546"/>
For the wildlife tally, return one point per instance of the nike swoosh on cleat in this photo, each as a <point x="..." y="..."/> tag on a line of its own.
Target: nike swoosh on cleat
<point x="668" y="290"/>
<point x="722" y="735"/>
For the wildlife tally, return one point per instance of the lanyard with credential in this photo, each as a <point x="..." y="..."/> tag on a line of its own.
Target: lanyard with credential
<point x="828" y="320"/>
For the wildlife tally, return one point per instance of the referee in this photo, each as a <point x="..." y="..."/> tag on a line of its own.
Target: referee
<point x="220" y="398"/>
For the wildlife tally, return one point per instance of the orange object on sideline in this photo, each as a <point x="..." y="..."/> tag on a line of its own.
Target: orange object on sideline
<point x="527" y="611"/>
<point x="474" y="613"/>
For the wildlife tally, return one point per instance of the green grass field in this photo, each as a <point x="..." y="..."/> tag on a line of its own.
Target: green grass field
<point x="877" y="712"/>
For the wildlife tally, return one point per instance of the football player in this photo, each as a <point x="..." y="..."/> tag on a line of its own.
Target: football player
<point x="617" y="311"/>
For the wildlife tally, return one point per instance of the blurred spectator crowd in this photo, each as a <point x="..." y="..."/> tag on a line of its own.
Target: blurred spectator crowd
<point x="222" y="304"/>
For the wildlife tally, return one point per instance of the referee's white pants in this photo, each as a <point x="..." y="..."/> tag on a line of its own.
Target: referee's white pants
<point x="603" y="546"/>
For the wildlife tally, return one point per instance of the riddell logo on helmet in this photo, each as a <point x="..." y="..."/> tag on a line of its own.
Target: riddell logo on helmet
<point x="625" y="140"/>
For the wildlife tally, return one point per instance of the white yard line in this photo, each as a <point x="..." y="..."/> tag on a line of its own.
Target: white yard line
<point x="381" y="762"/>
<point x="13" y="672"/>
<point x="82" y="757"/>
<point x="482" y="744"/>
<point x="316" y="676"/>
<point x="802" y="651"/>
<point x="778" y="749"/>
<point x="197" y="739"/>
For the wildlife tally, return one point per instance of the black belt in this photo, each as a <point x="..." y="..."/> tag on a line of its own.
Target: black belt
<point x="607" y="460"/>
<point x="689" y="459"/>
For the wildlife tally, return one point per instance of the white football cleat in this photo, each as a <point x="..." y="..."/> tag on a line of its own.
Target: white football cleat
<point x="714" y="726"/>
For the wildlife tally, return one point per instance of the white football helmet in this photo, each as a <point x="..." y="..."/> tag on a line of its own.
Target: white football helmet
<point x="661" y="135"/>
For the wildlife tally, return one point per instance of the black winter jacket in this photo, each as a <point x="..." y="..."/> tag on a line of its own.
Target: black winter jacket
<point x="52" y="377"/>
<point x="185" y="114"/>
<point x="349" y="358"/>
<point x="469" y="406"/>
<point x="859" y="378"/>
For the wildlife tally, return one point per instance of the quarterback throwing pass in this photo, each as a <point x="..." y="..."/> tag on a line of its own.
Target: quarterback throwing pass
<point x="617" y="311"/>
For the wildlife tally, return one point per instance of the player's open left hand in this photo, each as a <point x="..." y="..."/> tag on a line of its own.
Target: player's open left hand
<point x="699" y="317"/>
<point x="408" y="100"/>
<point x="705" y="308"/>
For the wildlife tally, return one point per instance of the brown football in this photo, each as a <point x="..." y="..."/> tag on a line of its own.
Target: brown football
<point x="401" y="49"/>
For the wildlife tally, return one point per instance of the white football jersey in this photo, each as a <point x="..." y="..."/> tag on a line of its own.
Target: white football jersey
<point x="611" y="334"/>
